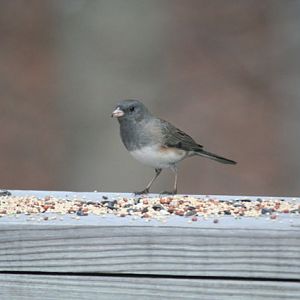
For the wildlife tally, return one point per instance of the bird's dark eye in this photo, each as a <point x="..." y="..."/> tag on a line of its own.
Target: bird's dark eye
<point x="131" y="108"/>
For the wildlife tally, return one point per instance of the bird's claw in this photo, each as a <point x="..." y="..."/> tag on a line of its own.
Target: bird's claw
<point x="5" y="193"/>
<point x="145" y="191"/>
<point x="168" y="193"/>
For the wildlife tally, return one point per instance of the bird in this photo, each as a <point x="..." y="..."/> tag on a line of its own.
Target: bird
<point x="156" y="142"/>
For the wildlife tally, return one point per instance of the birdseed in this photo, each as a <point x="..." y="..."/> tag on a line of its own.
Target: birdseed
<point x="146" y="208"/>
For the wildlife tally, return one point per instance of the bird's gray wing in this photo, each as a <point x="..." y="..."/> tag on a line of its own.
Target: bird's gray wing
<point x="174" y="137"/>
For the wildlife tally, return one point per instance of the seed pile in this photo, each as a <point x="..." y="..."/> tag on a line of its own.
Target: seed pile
<point x="148" y="208"/>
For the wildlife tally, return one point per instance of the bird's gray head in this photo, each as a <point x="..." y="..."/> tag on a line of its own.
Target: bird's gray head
<point x="133" y="110"/>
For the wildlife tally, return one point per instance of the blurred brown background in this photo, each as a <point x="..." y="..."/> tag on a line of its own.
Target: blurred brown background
<point x="226" y="72"/>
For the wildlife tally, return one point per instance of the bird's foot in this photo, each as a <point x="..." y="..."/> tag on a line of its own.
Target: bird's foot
<point x="145" y="191"/>
<point x="5" y="193"/>
<point x="174" y="192"/>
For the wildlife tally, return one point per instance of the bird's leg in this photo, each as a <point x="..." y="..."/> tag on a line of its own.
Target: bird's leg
<point x="174" y="169"/>
<point x="175" y="182"/>
<point x="146" y="190"/>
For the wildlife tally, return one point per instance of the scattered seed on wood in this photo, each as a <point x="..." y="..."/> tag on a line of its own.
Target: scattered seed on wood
<point x="144" y="210"/>
<point x="158" y="208"/>
<point x="190" y="213"/>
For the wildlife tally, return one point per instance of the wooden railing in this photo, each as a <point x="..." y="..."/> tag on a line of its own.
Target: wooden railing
<point x="94" y="257"/>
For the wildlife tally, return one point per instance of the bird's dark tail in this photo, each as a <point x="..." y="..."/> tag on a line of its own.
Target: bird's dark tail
<point x="215" y="157"/>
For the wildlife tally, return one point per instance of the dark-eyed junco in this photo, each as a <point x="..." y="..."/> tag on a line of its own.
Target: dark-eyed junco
<point x="156" y="142"/>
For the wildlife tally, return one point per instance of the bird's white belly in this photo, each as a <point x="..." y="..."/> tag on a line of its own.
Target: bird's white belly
<point x="155" y="157"/>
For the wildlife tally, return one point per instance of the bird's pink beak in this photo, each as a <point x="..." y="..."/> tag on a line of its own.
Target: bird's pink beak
<point x="117" y="113"/>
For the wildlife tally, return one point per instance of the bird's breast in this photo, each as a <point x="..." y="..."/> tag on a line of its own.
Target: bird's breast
<point x="158" y="157"/>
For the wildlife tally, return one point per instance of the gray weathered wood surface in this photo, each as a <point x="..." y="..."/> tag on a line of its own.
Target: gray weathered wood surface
<point x="25" y="287"/>
<point x="243" y="248"/>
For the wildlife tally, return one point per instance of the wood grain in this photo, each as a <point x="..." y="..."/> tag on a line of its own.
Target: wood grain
<point x="244" y="248"/>
<point x="118" y="246"/>
<point x="33" y="287"/>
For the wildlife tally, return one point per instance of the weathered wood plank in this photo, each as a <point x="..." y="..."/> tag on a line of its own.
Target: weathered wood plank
<point x="22" y="287"/>
<point x="126" y="248"/>
<point x="243" y="247"/>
